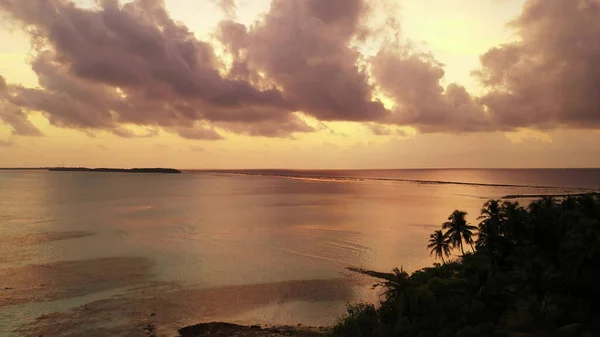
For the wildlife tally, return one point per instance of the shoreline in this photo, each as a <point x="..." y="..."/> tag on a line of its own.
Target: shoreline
<point x="103" y="169"/>
<point x="566" y="195"/>
<point x="222" y="329"/>
<point x="344" y="178"/>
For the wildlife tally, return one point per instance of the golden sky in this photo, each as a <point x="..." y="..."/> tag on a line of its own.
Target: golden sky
<point x="406" y="114"/>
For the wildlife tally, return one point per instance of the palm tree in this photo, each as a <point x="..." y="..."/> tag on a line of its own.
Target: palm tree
<point x="398" y="287"/>
<point x="439" y="244"/>
<point x="490" y="227"/>
<point x="514" y="216"/>
<point x="459" y="230"/>
<point x="491" y="212"/>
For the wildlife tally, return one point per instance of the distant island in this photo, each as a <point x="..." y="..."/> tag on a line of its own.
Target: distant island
<point x="102" y="169"/>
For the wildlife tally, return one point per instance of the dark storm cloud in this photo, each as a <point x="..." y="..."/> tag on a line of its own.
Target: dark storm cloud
<point x="551" y="78"/>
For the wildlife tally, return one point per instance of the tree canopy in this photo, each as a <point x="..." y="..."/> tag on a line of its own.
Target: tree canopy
<point x="532" y="272"/>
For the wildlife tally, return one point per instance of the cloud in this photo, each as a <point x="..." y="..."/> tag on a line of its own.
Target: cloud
<point x="132" y="64"/>
<point x="282" y="129"/>
<point x="228" y="6"/>
<point x="14" y="117"/>
<point x="6" y="142"/>
<point x="386" y="130"/>
<point x="126" y="133"/>
<point x="304" y="47"/>
<point x="548" y="79"/>
<point x="197" y="132"/>
<point x="551" y="77"/>
<point x="162" y="147"/>
<point x="413" y="81"/>
<point x="17" y="121"/>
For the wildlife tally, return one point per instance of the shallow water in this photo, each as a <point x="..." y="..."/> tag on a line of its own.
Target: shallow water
<point x="109" y="253"/>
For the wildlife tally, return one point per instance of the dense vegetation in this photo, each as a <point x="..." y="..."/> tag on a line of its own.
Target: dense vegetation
<point x="531" y="271"/>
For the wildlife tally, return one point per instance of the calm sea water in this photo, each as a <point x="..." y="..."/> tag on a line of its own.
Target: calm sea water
<point x="111" y="253"/>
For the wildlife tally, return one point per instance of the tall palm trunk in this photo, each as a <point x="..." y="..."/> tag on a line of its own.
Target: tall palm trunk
<point x="461" y="248"/>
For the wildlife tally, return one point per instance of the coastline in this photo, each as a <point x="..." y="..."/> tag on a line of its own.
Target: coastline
<point x="285" y="174"/>
<point x="102" y="169"/>
<point x="221" y="329"/>
<point x="564" y="195"/>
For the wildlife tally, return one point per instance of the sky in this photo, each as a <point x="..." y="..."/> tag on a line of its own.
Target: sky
<point x="300" y="83"/>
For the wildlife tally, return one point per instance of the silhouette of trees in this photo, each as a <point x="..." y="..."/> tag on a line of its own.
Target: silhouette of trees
<point x="439" y="245"/>
<point x="533" y="272"/>
<point x="458" y="230"/>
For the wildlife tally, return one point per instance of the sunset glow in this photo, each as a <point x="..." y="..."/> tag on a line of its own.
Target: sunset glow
<point x="299" y="83"/>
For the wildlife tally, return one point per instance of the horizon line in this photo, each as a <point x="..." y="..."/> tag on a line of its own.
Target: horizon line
<point x="16" y="168"/>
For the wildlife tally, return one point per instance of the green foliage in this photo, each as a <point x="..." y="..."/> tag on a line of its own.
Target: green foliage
<point x="533" y="272"/>
<point x="361" y="320"/>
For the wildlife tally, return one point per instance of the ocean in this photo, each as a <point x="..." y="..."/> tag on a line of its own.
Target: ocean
<point x="87" y="253"/>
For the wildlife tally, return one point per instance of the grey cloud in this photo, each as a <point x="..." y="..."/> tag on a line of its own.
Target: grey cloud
<point x="385" y="130"/>
<point x="284" y="129"/>
<point x="234" y="36"/>
<point x="551" y="77"/>
<point x="303" y="47"/>
<point x="126" y="133"/>
<point x="413" y="81"/>
<point x="299" y="55"/>
<point x="17" y="120"/>
<point x="228" y="6"/>
<point x="324" y="127"/>
<point x="131" y="64"/>
<point x="197" y="132"/>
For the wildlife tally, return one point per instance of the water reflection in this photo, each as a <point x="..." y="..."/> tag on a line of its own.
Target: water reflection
<point x="67" y="279"/>
<point x="168" y="307"/>
<point x="272" y="248"/>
